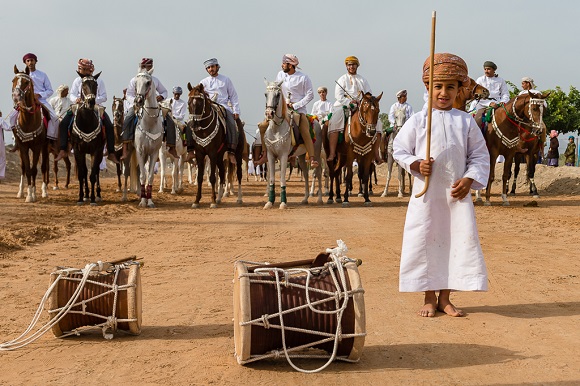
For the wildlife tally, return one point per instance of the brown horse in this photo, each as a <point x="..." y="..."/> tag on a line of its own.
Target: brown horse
<point x="469" y="92"/>
<point x="517" y="122"/>
<point x="29" y="133"/>
<point x="208" y="135"/>
<point x="530" y="158"/>
<point x="359" y="137"/>
<point x="128" y="166"/>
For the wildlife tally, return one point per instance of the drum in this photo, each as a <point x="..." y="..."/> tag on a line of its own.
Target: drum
<point x="110" y="299"/>
<point x="283" y="309"/>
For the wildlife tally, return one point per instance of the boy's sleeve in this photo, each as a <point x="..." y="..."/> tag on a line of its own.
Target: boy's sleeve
<point x="477" y="157"/>
<point x="404" y="146"/>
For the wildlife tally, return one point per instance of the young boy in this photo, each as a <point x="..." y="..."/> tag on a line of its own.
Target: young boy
<point x="441" y="250"/>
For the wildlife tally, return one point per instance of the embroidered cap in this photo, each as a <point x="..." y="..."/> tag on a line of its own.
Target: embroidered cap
<point x="401" y="93"/>
<point x="446" y="67"/>
<point x="210" y="62"/>
<point x="177" y="90"/>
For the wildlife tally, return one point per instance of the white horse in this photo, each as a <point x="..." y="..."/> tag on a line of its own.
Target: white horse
<point x="148" y="134"/>
<point x="400" y="118"/>
<point x="178" y="163"/>
<point x="279" y="145"/>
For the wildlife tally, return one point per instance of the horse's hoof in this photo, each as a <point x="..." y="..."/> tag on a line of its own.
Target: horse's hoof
<point x="213" y="206"/>
<point x="80" y="203"/>
<point x="19" y="195"/>
<point x="360" y="195"/>
<point x="173" y="192"/>
<point x="368" y="204"/>
<point x="239" y="202"/>
<point x="194" y="206"/>
<point x="93" y="204"/>
<point x="304" y="202"/>
<point x="400" y="195"/>
<point x="98" y="199"/>
<point x="218" y="201"/>
<point x="479" y="200"/>
<point x="345" y="204"/>
<point x="268" y="205"/>
<point x="371" y="193"/>
<point x="384" y="195"/>
<point x="117" y="190"/>
<point x="319" y="201"/>
<point x="44" y="195"/>
<point x="330" y="201"/>
<point x="151" y="205"/>
<point x="505" y="203"/>
<point x="283" y="205"/>
<point x="487" y="203"/>
<point x="338" y="200"/>
<point x="536" y="196"/>
<point x="86" y="199"/>
<point x="512" y="194"/>
<point x="55" y="188"/>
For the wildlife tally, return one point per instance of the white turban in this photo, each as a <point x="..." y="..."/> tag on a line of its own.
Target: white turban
<point x="401" y="93"/>
<point x="529" y="80"/>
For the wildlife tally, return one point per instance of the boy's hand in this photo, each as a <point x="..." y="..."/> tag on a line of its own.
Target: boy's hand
<point x="425" y="167"/>
<point x="461" y="188"/>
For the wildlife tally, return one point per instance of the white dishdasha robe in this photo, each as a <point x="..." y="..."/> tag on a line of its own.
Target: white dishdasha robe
<point x="441" y="248"/>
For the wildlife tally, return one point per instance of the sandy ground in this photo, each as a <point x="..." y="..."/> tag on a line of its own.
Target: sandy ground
<point x="525" y="330"/>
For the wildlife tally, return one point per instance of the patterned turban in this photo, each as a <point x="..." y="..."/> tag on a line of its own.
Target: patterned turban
<point x="529" y="80"/>
<point x="210" y="62"/>
<point x="290" y="58"/>
<point x="177" y="90"/>
<point x="489" y="63"/>
<point x="86" y="65"/>
<point x="352" y="59"/>
<point x="401" y="93"/>
<point x="446" y="67"/>
<point x="553" y="133"/>
<point x="146" y="62"/>
<point x="29" y="55"/>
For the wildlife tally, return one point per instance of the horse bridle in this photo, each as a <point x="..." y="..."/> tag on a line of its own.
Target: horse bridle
<point x="370" y="128"/>
<point x="143" y="97"/>
<point x="117" y="111"/>
<point x="273" y="108"/>
<point x="87" y="98"/>
<point x="529" y="121"/>
<point x="22" y="92"/>
<point x="198" y="118"/>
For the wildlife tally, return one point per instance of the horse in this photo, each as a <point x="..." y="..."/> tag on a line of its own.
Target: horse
<point x="148" y="133"/>
<point x="262" y="174"/>
<point x="517" y="121"/>
<point x="178" y="163"/>
<point x="208" y="131"/>
<point x="400" y="118"/>
<point x="87" y="139"/>
<point x="372" y="172"/>
<point x="29" y="134"/>
<point x="128" y="166"/>
<point x="359" y="138"/>
<point x="232" y="170"/>
<point x="279" y="145"/>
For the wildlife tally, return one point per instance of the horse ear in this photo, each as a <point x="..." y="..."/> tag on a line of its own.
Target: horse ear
<point x="265" y="80"/>
<point x="97" y="76"/>
<point x="189" y="86"/>
<point x="27" y="70"/>
<point x="544" y="96"/>
<point x="379" y="97"/>
<point x="279" y="84"/>
<point x="16" y="71"/>
<point x="200" y="86"/>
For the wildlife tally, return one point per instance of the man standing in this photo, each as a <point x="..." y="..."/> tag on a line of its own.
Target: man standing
<point x="60" y="102"/>
<point x="130" y="123"/>
<point x="401" y="104"/>
<point x="221" y="89"/>
<point x="42" y="90"/>
<point x="85" y="67"/>
<point x="498" y="91"/>
<point x="297" y="90"/>
<point x="349" y="88"/>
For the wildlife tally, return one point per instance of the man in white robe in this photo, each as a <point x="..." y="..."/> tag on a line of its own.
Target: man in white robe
<point x="400" y="104"/>
<point x="322" y="107"/>
<point x="497" y="86"/>
<point x="60" y="102"/>
<point x="441" y="249"/>
<point x="4" y="126"/>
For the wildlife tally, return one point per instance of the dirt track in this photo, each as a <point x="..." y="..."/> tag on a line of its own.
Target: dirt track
<point x="525" y="330"/>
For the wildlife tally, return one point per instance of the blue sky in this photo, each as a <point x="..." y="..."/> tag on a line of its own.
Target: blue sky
<point x="524" y="38"/>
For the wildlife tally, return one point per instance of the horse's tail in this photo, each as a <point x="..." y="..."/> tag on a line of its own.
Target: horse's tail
<point x="133" y="170"/>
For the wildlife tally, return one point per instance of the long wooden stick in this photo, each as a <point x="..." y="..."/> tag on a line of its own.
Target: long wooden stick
<point x="430" y="101"/>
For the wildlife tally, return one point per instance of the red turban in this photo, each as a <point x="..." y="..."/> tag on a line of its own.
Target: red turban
<point x="146" y="62"/>
<point x="86" y="65"/>
<point x="29" y="55"/>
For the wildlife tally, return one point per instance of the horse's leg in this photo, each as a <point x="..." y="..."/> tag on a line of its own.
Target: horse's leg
<point x="55" y="171"/>
<point x="390" y="161"/>
<point x="360" y="187"/>
<point x="45" y="169"/>
<point x="68" y="169"/>
<point x="221" y="169"/>
<point x="367" y="163"/>
<point x="200" y="159"/>
<point x="240" y="176"/>
<point x="401" y="176"/>
<point x="348" y="178"/>
<point x="162" y="166"/>
<point x="492" y="159"/>
<point x="302" y="166"/>
<point x="213" y="180"/>
<point x="23" y="172"/>
<point x="505" y="178"/>
<point x="93" y="178"/>
<point x="271" y="175"/>
<point x="150" y="176"/>
<point x="283" y="163"/>
<point x="174" y="175"/>
<point x="331" y="175"/>
<point x="33" y="173"/>
<point x="80" y="161"/>
<point x="142" y="180"/>
<point x="516" y="173"/>
<point x="531" y="166"/>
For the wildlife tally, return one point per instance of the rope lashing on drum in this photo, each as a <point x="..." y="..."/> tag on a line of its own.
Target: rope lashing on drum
<point x="340" y="296"/>
<point x="27" y="337"/>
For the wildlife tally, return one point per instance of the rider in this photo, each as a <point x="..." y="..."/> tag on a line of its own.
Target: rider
<point x="130" y="122"/>
<point x="399" y="105"/>
<point x="60" y="102"/>
<point x="498" y="91"/>
<point x="178" y="106"/>
<point x="42" y="90"/>
<point x="350" y="87"/>
<point x="297" y="90"/>
<point x="221" y="90"/>
<point x="85" y="67"/>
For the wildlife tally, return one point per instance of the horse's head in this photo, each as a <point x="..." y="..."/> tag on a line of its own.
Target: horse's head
<point x="400" y="118"/>
<point x="143" y="87"/>
<point x="23" y="89"/>
<point x="477" y="91"/>
<point x="274" y="99"/>
<point x="118" y="111"/>
<point x="89" y="87"/>
<point x="196" y="103"/>
<point x="368" y="113"/>
<point x="528" y="109"/>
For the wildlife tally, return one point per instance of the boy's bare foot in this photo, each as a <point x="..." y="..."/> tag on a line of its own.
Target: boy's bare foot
<point x="430" y="307"/>
<point x="448" y="308"/>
